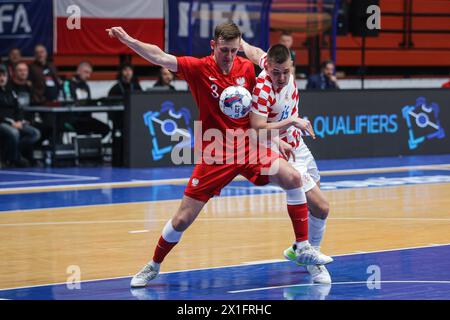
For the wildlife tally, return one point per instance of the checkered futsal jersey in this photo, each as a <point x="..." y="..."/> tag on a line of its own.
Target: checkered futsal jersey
<point x="277" y="105"/>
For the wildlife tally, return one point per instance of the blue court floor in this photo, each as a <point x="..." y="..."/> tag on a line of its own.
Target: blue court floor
<point x="417" y="273"/>
<point x="422" y="170"/>
<point x="409" y="273"/>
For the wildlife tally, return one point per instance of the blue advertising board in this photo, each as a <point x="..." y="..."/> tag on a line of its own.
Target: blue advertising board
<point x="190" y="24"/>
<point x="24" y="24"/>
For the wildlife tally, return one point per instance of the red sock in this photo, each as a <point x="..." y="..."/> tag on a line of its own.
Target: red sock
<point x="299" y="218"/>
<point x="162" y="249"/>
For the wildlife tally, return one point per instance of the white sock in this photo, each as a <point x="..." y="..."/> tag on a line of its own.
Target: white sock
<point x="170" y="234"/>
<point x="316" y="229"/>
<point x="295" y="196"/>
<point x="301" y="244"/>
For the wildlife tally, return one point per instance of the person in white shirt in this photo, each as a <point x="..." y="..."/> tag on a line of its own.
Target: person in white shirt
<point x="275" y="106"/>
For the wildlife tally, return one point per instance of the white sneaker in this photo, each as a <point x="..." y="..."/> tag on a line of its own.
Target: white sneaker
<point x="319" y="274"/>
<point x="147" y="274"/>
<point x="306" y="255"/>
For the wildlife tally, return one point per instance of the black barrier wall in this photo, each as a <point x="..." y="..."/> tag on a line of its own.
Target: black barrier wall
<point x="348" y="124"/>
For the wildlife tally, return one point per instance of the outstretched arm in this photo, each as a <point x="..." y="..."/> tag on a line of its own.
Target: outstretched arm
<point x="147" y="51"/>
<point x="253" y="53"/>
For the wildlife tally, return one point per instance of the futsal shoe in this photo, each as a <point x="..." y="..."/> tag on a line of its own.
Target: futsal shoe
<point x="306" y="255"/>
<point x="149" y="272"/>
<point x="318" y="272"/>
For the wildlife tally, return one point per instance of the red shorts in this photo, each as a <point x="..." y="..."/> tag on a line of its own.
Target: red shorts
<point x="207" y="180"/>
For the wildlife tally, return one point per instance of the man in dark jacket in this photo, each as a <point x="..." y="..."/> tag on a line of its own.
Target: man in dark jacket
<point x="21" y="85"/>
<point x="126" y="83"/>
<point x="325" y="79"/>
<point x="17" y="136"/>
<point x="84" y="123"/>
<point x="43" y="75"/>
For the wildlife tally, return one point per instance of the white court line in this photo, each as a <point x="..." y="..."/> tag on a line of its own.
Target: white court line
<point x="221" y="267"/>
<point x="216" y="198"/>
<point x="239" y="178"/>
<point x="43" y="181"/>
<point x="138" y="231"/>
<point x="229" y="219"/>
<point x="134" y="183"/>
<point x="66" y="178"/>
<point x="45" y="174"/>
<point x="340" y="283"/>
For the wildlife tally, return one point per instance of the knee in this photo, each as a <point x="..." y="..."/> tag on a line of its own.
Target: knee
<point x="182" y="220"/>
<point x="14" y="135"/>
<point x="180" y="223"/>
<point x="322" y="210"/>
<point x="292" y="180"/>
<point x="36" y="135"/>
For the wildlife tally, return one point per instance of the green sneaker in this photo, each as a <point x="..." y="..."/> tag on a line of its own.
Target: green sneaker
<point x="306" y="256"/>
<point x="289" y="254"/>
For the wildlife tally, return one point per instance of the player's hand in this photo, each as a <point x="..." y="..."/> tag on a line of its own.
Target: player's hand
<point x="332" y="78"/>
<point x="18" y="125"/>
<point x="241" y="45"/>
<point x="119" y="33"/>
<point x="286" y="150"/>
<point x="305" y="125"/>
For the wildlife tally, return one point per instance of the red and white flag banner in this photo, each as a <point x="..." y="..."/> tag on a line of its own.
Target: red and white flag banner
<point x="81" y="24"/>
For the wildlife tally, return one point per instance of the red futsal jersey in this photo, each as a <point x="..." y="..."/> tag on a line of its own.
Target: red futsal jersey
<point x="206" y="82"/>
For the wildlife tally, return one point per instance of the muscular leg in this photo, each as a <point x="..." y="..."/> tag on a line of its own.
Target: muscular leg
<point x="319" y="209"/>
<point x="174" y="228"/>
<point x="171" y="235"/>
<point x="290" y="180"/>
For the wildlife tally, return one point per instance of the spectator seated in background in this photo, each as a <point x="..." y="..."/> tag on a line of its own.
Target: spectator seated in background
<point x="287" y="40"/>
<point x="126" y="82"/>
<point x="165" y="78"/>
<point x="21" y="85"/>
<point x="79" y="88"/>
<point x="18" y="137"/>
<point x="325" y="79"/>
<point x="14" y="57"/>
<point x="43" y="75"/>
<point x="80" y="92"/>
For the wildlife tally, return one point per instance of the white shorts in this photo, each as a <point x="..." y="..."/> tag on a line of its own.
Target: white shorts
<point x="306" y="166"/>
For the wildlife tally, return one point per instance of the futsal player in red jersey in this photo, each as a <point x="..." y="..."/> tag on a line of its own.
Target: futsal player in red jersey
<point x="207" y="78"/>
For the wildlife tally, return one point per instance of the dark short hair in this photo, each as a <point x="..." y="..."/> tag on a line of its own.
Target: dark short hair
<point x="14" y="49"/>
<point x="325" y="63"/>
<point x="278" y="53"/>
<point x="227" y="31"/>
<point x="286" y="33"/>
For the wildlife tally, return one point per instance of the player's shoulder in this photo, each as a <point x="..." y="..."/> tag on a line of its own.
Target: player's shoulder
<point x="264" y="84"/>
<point x="244" y="62"/>
<point x="192" y="60"/>
<point x="263" y="79"/>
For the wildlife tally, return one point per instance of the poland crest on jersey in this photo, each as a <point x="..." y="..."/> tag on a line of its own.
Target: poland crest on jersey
<point x="240" y="81"/>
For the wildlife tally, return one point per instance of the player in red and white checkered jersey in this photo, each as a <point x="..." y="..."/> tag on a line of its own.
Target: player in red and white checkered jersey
<point x="207" y="78"/>
<point x="275" y="105"/>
